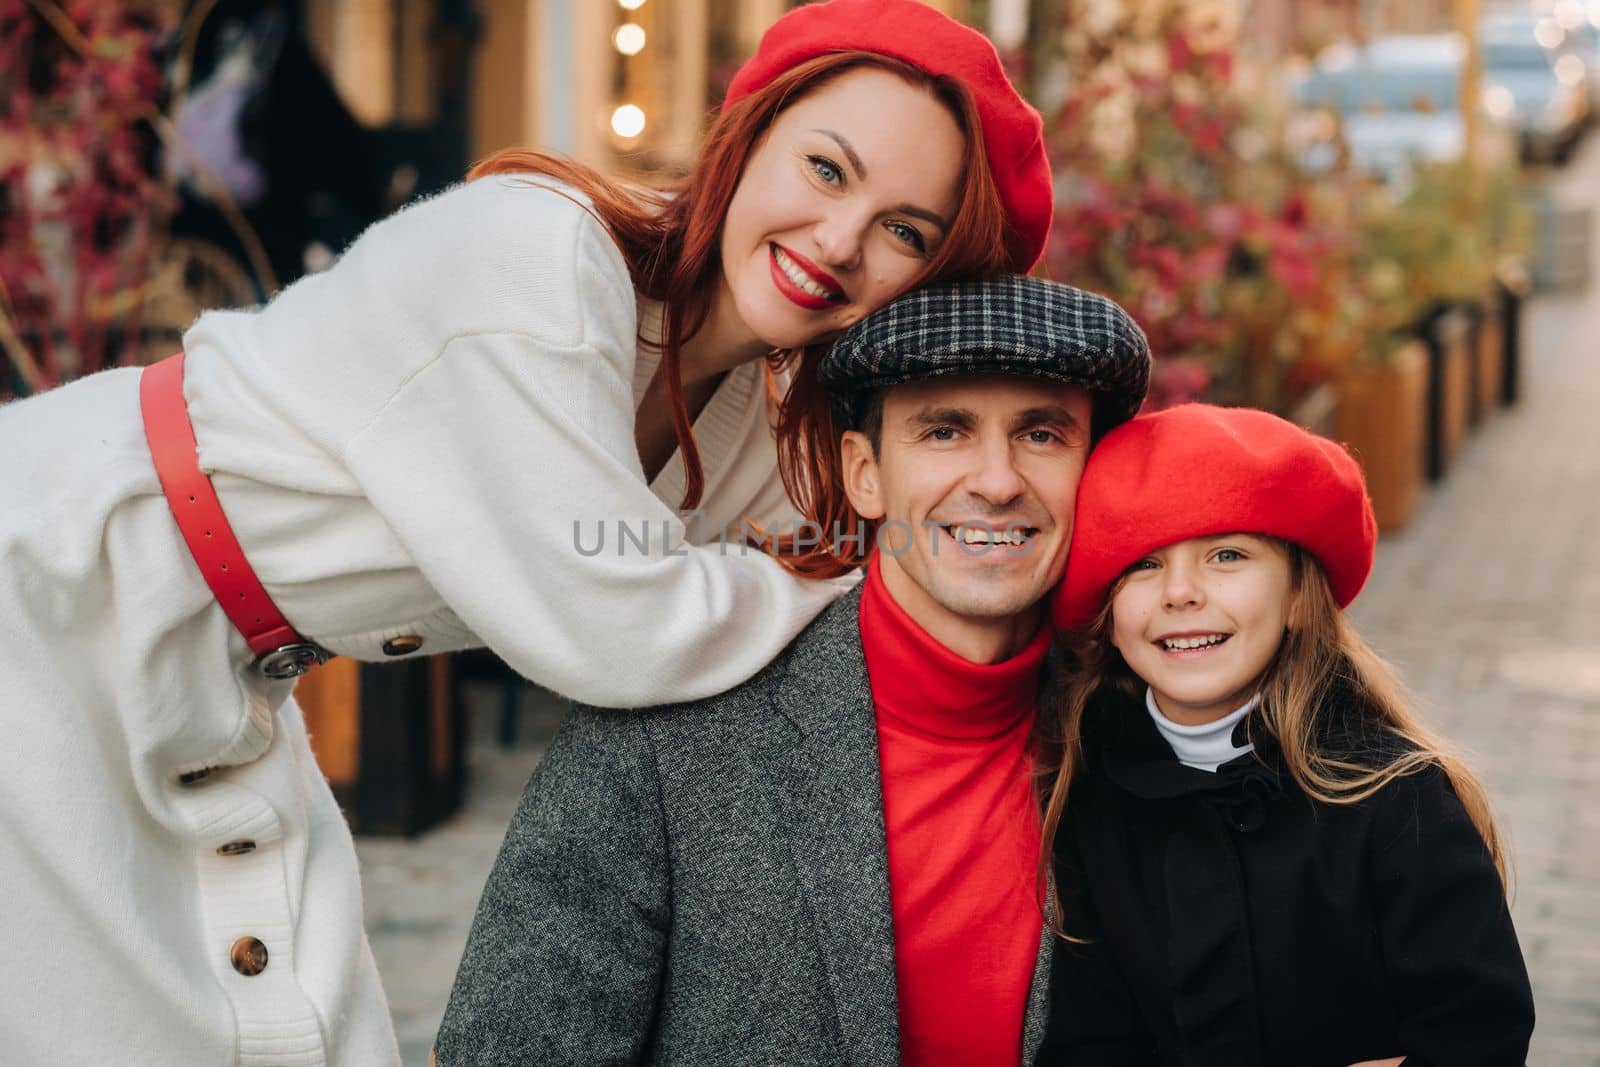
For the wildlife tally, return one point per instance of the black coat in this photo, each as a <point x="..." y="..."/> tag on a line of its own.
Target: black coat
<point x="1236" y="922"/>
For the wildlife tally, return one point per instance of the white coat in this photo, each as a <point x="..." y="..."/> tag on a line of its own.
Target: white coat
<point x="404" y="446"/>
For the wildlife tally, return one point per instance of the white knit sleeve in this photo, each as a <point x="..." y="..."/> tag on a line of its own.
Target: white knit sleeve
<point x="507" y="469"/>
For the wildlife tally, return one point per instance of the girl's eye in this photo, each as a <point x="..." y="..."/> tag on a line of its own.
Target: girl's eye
<point x="826" y="169"/>
<point x="1146" y="564"/>
<point x="908" y="234"/>
<point x="1228" y="555"/>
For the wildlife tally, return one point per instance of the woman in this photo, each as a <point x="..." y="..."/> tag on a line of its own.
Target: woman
<point x="415" y="451"/>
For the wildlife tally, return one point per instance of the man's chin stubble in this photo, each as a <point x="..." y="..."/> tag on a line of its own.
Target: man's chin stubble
<point x="986" y="607"/>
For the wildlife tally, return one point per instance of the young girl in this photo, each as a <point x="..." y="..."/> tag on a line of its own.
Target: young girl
<point x="413" y="451"/>
<point x="1260" y="854"/>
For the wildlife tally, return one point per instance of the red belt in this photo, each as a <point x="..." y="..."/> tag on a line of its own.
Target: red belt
<point x="280" y="651"/>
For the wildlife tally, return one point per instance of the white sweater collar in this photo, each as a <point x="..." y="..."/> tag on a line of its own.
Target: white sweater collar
<point x="722" y="424"/>
<point x="1207" y="746"/>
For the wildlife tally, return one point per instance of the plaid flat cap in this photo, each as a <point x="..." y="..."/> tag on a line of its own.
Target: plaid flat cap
<point x="1011" y="324"/>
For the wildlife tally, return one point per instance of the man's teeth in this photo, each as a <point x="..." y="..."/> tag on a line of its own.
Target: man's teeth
<point x="801" y="279"/>
<point x="1178" y="644"/>
<point x="980" y="536"/>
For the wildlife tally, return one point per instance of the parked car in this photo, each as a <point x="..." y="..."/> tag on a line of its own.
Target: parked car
<point x="1536" y="80"/>
<point x="1398" y="102"/>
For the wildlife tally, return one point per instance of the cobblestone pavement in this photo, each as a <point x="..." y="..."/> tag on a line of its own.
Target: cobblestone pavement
<point x="1489" y="603"/>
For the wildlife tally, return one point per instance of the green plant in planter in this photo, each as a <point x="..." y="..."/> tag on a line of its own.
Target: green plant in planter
<point x="1439" y="244"/>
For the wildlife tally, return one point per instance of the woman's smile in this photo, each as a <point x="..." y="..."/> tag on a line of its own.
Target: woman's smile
<point x="803" y="281"/>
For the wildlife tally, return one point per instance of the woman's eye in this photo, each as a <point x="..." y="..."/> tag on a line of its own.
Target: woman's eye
<point x="908" y="234"/>
<point x="826" y="169"/>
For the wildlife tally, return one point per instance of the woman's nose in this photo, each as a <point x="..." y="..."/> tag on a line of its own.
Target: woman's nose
<point x="839" y="238"/>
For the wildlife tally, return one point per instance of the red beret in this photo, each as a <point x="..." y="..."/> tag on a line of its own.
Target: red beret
<point x="910" y="30"/>
<point x="1197" y="470"/>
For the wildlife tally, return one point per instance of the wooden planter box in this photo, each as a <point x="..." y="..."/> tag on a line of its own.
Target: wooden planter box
<point x="1489" y="344"/>
<point x="1381" y="419"/>
<point x="1448" y="337"/>
<point x="390" y="738"/>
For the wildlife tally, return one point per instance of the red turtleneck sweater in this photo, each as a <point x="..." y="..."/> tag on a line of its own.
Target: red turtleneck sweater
<point x="963" y="834"/>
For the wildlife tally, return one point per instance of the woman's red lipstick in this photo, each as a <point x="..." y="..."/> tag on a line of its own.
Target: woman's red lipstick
<point x="819" y="277"/>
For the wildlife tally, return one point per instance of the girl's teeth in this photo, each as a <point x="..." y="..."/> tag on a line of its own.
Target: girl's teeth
<point x="800" y="278"/>
<point x="1178" y="644"/>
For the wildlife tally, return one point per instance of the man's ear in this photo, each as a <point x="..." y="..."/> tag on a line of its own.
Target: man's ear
<point x="861" y="476"/>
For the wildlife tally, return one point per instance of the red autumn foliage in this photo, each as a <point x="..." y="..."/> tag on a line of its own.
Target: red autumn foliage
<point x="1180" y="206"/>
<point x="79" y="202"/>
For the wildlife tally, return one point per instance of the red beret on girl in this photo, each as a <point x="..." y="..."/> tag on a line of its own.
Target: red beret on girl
<point x="1198" y="470"/>
<point x="911" y="31"/>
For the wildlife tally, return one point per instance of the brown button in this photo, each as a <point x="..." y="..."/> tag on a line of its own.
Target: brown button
<point x="236" y="848"/>
<point x="248" y="956"/>
<point x="403" y="645"/>
<point x="194" y="776"/>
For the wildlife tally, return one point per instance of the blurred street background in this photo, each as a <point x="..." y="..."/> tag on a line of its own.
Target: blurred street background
<point x="1376" y="217"/>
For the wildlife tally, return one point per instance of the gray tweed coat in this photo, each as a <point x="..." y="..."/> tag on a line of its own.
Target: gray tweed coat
<point x="700" y="884"/>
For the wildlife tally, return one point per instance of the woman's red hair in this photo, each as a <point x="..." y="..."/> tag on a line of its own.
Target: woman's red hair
<point x="670" y="240"/>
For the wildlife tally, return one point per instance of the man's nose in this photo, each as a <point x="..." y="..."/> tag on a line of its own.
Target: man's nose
<point x="994" y="476"/>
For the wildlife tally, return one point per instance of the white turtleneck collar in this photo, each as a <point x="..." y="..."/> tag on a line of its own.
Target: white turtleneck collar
<point x="1207" y="746"/>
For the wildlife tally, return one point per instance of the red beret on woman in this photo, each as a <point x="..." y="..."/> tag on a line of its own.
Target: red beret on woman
<point x="913" y="32"/>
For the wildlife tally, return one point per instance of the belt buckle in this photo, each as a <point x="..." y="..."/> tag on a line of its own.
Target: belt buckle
<point x="291" y="661"/>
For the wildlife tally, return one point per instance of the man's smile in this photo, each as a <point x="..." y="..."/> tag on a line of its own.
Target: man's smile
<point x="978" y="537"/>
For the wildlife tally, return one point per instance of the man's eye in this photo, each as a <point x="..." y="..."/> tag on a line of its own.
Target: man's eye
<point x="1043" y="437"/>
<point x="943" y="433"/>
<point x="826" y="169"/>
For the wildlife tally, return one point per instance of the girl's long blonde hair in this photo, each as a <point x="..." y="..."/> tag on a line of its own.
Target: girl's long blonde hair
<point x="1321" y="653"/>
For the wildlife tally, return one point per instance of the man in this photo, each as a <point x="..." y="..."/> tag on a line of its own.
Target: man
<point x="836" y="861"/>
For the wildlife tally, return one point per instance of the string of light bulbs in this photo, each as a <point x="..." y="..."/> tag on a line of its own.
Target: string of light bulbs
<point x="628" y="120"/>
